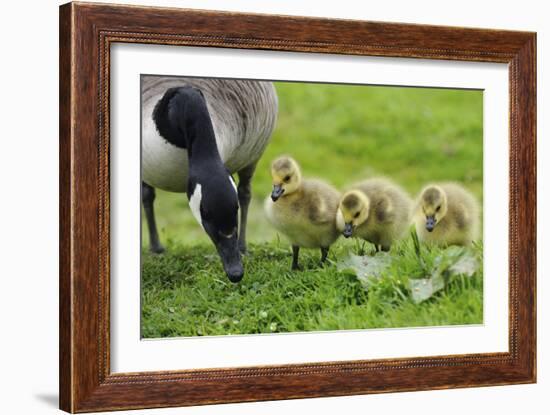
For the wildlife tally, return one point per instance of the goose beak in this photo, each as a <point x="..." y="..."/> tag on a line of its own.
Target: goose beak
<point x="228" y="251"/>
<point x="231" y="258"/>
<point x="235" y="273"/>
<point x="430" y="223"/>
<point x="277" y="192"/>
<point x="348" y="230"/>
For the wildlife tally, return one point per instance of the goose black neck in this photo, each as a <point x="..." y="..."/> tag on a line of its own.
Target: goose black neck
<point x="202" y="146"/>
<point x="182" y="118"/>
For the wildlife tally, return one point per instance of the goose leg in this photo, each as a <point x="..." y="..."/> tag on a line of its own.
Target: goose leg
<point x="244" y="194"/>
<point x="148" y="199"/>
<point x="295" y="252"/>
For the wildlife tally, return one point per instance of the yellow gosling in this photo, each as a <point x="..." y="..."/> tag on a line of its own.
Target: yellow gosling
<point x="302" y="210"/>
<point x="447" y="214"/>
<point x="376" y="210"/>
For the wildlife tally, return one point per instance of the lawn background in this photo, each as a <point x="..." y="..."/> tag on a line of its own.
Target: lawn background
<point x="343" y="134"/>
<point x="346" y="133"/>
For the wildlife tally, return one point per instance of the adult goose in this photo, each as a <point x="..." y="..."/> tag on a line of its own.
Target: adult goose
<point x="196" y="133"/>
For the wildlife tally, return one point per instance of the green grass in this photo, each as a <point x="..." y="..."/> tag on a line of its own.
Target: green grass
<point x="342" y="134"/>
<point x="185" y="294"/>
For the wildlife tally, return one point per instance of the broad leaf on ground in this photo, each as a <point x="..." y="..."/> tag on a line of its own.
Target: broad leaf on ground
<point x="424" y="288"/>
<point x="451" y="262"/>
<point x="368" y="269"/>
<point x="434" y="276"/>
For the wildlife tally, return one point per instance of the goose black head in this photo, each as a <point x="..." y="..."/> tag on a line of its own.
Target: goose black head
<point x="215" y="205"/>
<point x="182" y="118"/>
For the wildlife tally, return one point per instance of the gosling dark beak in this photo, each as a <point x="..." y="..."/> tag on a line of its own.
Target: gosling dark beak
<point x="430" y="223"/>
<point x="277" y="192"/>
<point x="348" y="230"/>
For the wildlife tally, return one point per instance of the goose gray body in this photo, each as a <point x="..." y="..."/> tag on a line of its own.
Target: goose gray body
<point x="243" y="115"/>
<point x="196" y="132"/>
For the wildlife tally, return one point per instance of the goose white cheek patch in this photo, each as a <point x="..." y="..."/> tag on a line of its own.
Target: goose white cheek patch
<point x="195" y="203"/>
<point x="233" y="183"/>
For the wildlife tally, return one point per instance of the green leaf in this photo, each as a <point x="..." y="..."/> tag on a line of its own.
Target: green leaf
<point x="446" y="259"/>
<point x="366" y="268"/>
<point x="453" y="261"/>
<point x="467" y="265"/>
<point x="416" y="243"/>
<point x="418" y="250"/>
<point x="422" y="289"/>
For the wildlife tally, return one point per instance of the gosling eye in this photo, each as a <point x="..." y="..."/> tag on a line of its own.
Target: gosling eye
<point x="356" y="215"/>
<point x="286" y="179"/>
<point x="438" y="208"/>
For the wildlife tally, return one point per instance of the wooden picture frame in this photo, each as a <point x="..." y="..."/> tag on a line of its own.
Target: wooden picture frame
<point x="86" y="33"/>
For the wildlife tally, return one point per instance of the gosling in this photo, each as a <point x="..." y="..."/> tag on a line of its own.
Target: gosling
<point x="447" y="214"/>
<point x="302" y="210"/>
<point x="376" y="210"/>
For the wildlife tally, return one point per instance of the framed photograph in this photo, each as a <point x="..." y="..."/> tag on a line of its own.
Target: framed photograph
<point x="258" y="207"/>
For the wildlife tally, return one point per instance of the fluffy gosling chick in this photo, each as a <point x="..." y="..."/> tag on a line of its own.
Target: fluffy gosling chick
<point x="447" y="214"/>
<point x="376" y="210"/>
<point x="302" y="210"/>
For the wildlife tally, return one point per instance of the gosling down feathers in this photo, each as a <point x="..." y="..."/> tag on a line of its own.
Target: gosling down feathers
<point x="447" y="214"/>
<point x="302" y="210"/>
<point x="376" y="210"/>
